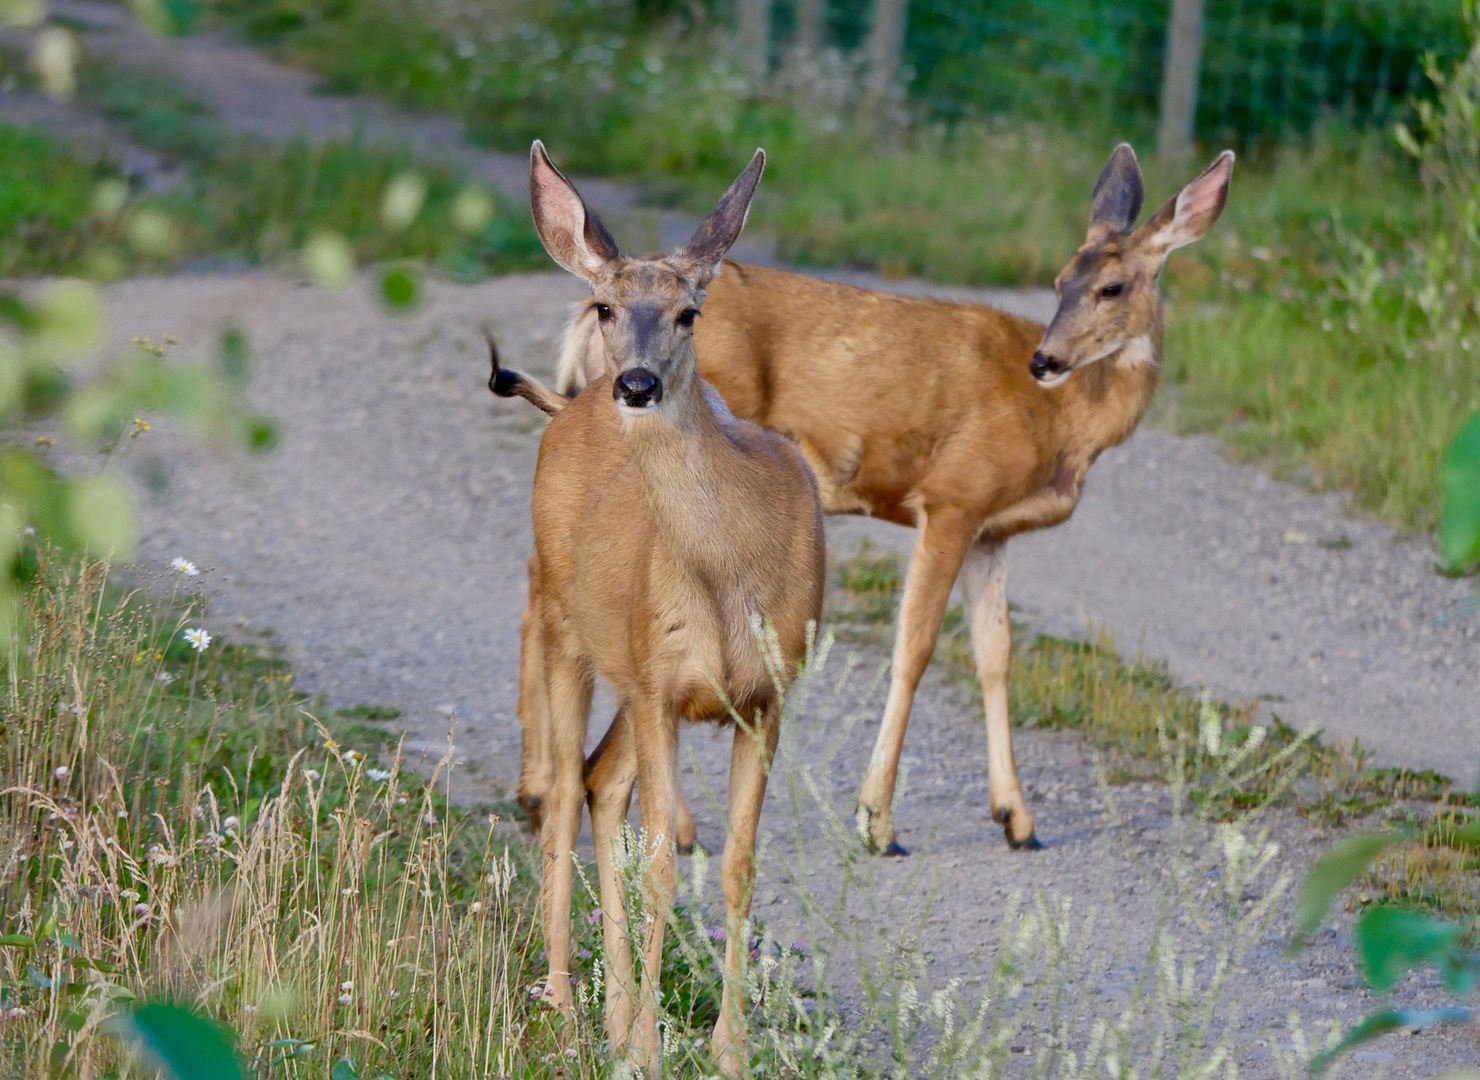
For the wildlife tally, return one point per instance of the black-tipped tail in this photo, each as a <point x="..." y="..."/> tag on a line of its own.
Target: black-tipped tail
<point x="506" y="382"/>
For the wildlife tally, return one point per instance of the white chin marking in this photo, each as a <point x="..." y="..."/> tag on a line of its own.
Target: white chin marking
<point x="1054" y="380"/>
<point x="635" y="410"/>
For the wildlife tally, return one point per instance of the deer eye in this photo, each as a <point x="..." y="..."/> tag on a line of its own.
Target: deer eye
<point x="1109" y="292"/>
<point x="687" y="316"/>
<point x="603" y="312"/>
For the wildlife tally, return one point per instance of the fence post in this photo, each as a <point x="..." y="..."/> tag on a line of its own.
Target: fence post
<point x="885" y="50"/>
<point x="755" y="38"/>
<point x="1179" y="82"/>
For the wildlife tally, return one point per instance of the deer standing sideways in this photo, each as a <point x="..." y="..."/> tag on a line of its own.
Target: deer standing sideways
<point x="967" y="423"/>
<point x="664" y="529"/>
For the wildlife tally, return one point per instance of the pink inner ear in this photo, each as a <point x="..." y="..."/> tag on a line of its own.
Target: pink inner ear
<point x="559" y="206"/>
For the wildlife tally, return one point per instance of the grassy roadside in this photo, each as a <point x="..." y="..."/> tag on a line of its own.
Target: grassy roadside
<point x="236" y="200"/>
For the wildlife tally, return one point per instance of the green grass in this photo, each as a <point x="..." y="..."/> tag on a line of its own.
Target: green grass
<point x="45" y="204"/>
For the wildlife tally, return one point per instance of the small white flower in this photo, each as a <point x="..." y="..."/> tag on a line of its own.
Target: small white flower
<point x="345" y="999"/>
<point x="402" y="799"/>
<point x="311" y="775"/>
<point x="380" y="776"/>
<point x="166" y="677"/>
<point x="348" y="984"/>
<point x="121" y="813"/>
<point x="62" y="772"/>
<point x="17" y="1013"/>
<point x="430" y="818"/>
<point x="141" y="910"/>
<point x="198" y="638"/>
<point x="395" y="994"/>
<point x="184" y="566"/>
<point x="476" y="906"/>
<point x="230" y="823"/>
<point x="249" y="1008"/>
<point x="570" y="1051"/>
<point x="67" y="845"/>
<point x="354" y="757"/>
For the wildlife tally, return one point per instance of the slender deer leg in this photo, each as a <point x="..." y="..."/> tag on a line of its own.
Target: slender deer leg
<point x="942" y="545"/>
<point x="536" y="766"/>
<point x="655" y="733"/>
<point x="750" y="766"/>
<point x="685" y="832"/>
<point x="611" y="770"/>
<point x="984" y="580"/>
<point x="569" y="687"/>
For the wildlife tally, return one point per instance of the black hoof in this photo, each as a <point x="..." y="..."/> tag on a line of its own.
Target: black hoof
<point x="1032" y="843"/>
<point x="894" y="851"/>
<point x="686" y="849"/>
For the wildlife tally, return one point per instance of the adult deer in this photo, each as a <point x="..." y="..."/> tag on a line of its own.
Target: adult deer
<point x="969" y="424"/>
<point x="665" y="531"/>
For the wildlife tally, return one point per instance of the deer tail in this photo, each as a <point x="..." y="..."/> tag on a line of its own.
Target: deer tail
<point x="508" y="383"/>
<point x="582" y="357"/>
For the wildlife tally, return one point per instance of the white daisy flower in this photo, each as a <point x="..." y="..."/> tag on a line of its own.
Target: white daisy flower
<point x="345" y="999"/>
<point x="61" y="772"/>
<point x="348" y="984"/>
<point x="166" y="677"/>
<point x="231" y="823"/>
<point x="380" y="776"/>
<point x="311" y="774"/>
<point x="353" y="756"/>
<point x="198" y="638"/>
<point x="184" y="566"/>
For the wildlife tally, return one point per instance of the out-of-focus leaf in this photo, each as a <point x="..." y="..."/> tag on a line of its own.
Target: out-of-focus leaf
<point x="109" y="197"/>
<point x="402" y="200"/>
<point x="54" y="56"/>
<point x="19" y="941"/>
<point x="1391" y="940"/>
<point x="1380" y="1023"/>
<point x="1331" y="874"/>
<point x="102" y="517"/>
<point x="344" y="1069"/>
<point x="329" y="260"/>
<point x="95" y="413"/>
<point x="261" y="434"/>
<point x="12" y="378"/>
<point x="69" y="320"/>
<point x="400" y="288"/>
<point x="152" y="232"/>
<point x="472" y="210"/>
<point x="236" y="355"/>
<point x="1459" y="528"/>
<point x="21" y="14"/>
<point x="187" y="1046"/>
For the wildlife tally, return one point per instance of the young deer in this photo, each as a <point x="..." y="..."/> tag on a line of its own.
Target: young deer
<point x="967" y="423"/>
<point x="664" y="529"/>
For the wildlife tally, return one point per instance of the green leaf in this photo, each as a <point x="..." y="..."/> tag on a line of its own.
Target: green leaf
<point x="236" y="354"/>
<point x="187" y="1046"/>
<point x="1380" y="1023"/>
<point x="1459" y="527"/>
<point x="344" y="1069"/>
<point x="400" y="288"/>
<point x="19" y="941"/>
<point x="1331" y="874"/>
<point x="1391" y="940"/>
<point x="101" y="516"/>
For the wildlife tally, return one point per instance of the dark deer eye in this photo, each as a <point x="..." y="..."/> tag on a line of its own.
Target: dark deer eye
<point x="603" y="312"/>
<point x="1109" y="292"/>
<point x="687" y="316"/>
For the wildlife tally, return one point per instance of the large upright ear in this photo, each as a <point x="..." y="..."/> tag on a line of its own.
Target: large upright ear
<point x="571" y="233"/>
<point x="1190" y="215"/>
<point x="722" y="227"/>
<point x="1119" y="192"/>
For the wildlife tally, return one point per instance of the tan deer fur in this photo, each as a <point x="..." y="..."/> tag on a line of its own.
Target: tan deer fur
<point x="967" y="423"/>
<point x="666" y="530"/>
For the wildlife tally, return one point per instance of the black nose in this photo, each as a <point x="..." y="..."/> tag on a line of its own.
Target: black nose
<point x="638" y="388"/>
<point x="1041" y="367"/>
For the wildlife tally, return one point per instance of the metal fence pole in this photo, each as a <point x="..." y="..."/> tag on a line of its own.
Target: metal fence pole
<point x="885" y="50"/>
<point x="1179" y="82"/>
<point x="755" y="38"/>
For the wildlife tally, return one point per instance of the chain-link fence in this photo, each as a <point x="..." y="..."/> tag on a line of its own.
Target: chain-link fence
<point x="1268" y="68"/>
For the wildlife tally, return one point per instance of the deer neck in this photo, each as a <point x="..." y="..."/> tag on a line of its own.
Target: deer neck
<point x="1109" y="398"/>
<point x="690" y="468"/>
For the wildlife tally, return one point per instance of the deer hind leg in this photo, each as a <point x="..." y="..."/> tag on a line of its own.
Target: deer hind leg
<point x="569" y="688"/>
<point x="750" y="766"/>
<point x="611" y="771"/>
<point x="655" y="734"/>
<point x="537" y="765"/>
<point x="984" y="581"/>
<point x="927" y="587"/>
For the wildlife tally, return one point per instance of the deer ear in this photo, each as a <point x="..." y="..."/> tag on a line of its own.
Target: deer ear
<point x="1194" y="210"/>
<point x="722" y="227"/>
<point x="1119" y="192"/>
<point x="571" y="233"/>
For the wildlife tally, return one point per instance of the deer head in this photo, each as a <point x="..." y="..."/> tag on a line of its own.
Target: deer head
<point x="645" y="307"/>
<point x="1110" y="293"/>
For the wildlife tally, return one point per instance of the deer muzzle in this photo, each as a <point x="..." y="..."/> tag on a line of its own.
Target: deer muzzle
<point x="638" y="388"/>
<point x="1043" y="367"/>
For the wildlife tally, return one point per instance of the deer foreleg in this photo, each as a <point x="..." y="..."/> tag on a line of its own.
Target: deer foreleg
<point x="927" y="587"/>
<point x="984" y="581"/>
<point x="656" y="737"/>
<point x="750" y="766"/>
<point x="611" y="772"/>
<point x="569" y="687"/>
